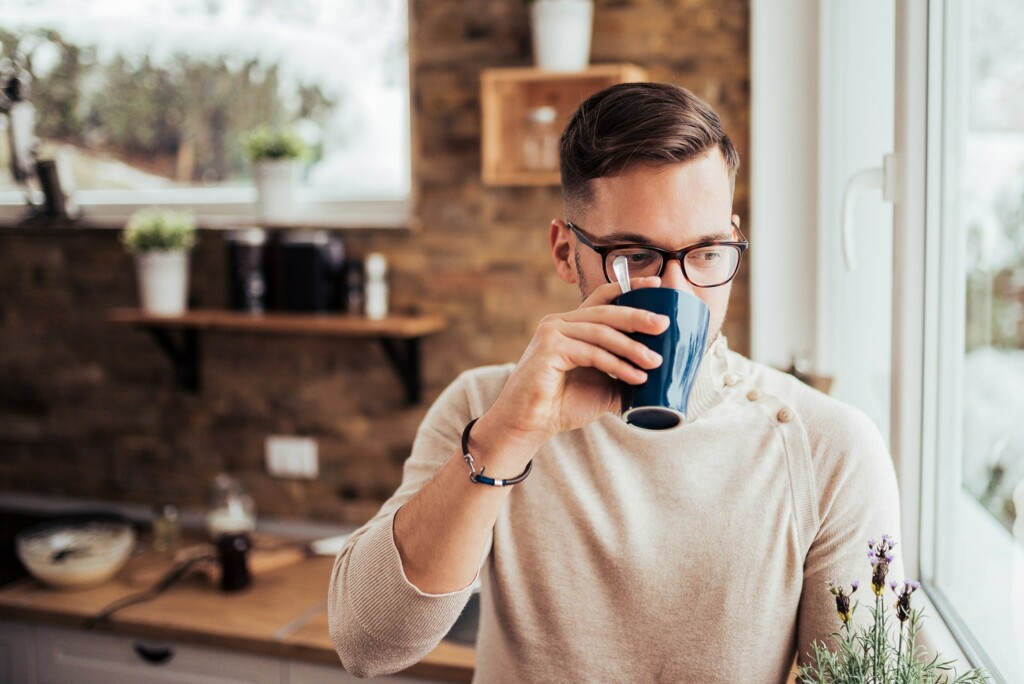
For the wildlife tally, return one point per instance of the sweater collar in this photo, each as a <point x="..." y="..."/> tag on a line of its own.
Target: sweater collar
<point x="711" y="379"/>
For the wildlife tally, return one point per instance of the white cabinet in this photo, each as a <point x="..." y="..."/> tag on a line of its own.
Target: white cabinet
<point x="65" y="656"/>
<point x="17" y="653"/>
<point x="31" y="654"/>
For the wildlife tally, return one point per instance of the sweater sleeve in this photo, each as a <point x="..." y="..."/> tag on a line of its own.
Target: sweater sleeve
<point x="379" y="622"/>
<point x="858" y="501"/>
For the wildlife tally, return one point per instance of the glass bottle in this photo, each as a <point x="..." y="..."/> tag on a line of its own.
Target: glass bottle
<point x="232" y="510"/>
<point x="166" y="528"/>
<point x="540" y="139"/>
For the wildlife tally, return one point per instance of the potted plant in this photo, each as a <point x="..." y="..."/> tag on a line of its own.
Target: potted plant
<point x="161" y="239"/>
<point x="275" y="155"/>
<point x="870" y="653"/>
<point x="561" y="31"/>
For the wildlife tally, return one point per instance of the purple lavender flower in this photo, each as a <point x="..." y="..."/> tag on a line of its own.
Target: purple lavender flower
<point x="880" y="559"/>
<point x="843" y="599"/>
<point x="903" y="599"/>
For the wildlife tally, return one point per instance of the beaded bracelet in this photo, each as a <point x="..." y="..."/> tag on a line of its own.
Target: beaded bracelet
<point x="479" y="477"/>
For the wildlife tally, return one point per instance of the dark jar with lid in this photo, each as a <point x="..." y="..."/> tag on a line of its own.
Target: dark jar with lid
<point x="247" y="273"/>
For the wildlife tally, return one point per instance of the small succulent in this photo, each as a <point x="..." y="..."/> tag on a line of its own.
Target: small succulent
<point x="870" y="655"/>
<point x="266" y="143"/>
<point x="156" y="229"/>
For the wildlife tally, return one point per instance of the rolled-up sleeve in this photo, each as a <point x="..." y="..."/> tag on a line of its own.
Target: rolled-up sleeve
<point x="380" y="623"/>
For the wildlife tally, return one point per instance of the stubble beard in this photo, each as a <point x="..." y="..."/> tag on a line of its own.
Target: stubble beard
<point x="579" y="275"/>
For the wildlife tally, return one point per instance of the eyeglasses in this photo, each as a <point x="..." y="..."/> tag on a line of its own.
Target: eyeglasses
<point x="706" y="264"/>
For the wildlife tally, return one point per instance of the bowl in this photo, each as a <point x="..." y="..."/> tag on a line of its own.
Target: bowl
<point x="76" y="552"/>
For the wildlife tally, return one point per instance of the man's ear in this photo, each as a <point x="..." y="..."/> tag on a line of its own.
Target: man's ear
<point x="736" y="220"/>
<point x="562" y="251"/>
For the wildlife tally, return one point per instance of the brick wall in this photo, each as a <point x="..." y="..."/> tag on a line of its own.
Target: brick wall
<point x="88" y="409"/>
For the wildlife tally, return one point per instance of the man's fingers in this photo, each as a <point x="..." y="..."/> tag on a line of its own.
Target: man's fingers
<point x="613" y="341"/>
<point x="625" y="318"/>
<point x="584" y="355"/>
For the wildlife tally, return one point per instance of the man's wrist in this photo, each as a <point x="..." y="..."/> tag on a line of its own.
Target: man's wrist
<point x="503" y="451"/>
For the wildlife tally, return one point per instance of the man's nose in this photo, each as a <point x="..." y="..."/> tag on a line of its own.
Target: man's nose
<point x="672" y="276"/>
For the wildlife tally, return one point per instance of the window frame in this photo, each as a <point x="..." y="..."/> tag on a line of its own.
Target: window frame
<point x="930" y="295"/>
<point x="231" y="206"/>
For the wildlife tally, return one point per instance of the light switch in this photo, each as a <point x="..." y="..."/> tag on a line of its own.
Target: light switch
<point x="291" y="457"/>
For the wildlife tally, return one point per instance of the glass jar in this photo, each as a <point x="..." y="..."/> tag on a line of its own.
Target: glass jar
<point x="232" y="510"/>
<point x="540" y="139"/>
<point x="166" y="528"/>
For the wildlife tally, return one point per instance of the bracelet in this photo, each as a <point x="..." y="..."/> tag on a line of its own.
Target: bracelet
<point x="479" y="477"/>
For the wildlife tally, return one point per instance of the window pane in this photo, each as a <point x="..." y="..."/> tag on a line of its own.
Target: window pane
<point x="980" y="566"/>
<point x="160" y="93"/>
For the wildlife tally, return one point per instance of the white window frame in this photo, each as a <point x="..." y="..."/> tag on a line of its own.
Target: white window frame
<point x="227" y="207"/>
<point x="936" y="319"/>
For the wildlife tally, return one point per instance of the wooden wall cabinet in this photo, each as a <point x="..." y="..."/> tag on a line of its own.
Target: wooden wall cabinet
<point x="508" y="95"/>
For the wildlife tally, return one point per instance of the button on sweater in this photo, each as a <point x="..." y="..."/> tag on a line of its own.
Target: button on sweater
<point x="700" y="553"/>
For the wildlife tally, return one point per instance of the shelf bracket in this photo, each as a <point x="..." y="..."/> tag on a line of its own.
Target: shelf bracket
<point x="404" y="355"/>
<point x="184" y="355"/>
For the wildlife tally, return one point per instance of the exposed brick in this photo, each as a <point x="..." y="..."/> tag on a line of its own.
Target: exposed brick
<point x="88" y="409"/>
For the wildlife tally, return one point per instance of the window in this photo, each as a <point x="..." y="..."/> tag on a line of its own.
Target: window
<point x="149" y="101"/>
<point x="973" y="400"/>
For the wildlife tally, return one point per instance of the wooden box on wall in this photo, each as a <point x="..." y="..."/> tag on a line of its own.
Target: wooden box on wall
<point x="508" y="95"/>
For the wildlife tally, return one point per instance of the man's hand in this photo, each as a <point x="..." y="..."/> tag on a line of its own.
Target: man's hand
<point x="565" y="378"/>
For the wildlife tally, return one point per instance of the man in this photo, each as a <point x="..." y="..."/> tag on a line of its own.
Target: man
<point x="699" y="554"/>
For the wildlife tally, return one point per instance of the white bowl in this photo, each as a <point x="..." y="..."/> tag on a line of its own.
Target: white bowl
<point x="76" y="553"/>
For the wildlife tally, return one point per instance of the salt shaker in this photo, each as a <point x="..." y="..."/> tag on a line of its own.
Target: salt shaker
<point x="376" y="286"/>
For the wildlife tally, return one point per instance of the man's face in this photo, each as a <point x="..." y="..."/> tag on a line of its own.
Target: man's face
<point x="670" y="206"/>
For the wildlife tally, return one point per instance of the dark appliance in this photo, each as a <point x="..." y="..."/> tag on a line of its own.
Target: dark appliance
<point x="312" y="271"/>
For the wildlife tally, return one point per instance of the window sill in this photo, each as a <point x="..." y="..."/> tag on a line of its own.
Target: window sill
<point x="215" y="208"/>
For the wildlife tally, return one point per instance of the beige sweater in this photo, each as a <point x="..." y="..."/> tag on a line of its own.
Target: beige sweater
<point x="699" y="554"/>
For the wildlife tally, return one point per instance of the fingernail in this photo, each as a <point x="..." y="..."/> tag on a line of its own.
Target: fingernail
<point x="657" y="318"/>
<point x="652" y="355"/>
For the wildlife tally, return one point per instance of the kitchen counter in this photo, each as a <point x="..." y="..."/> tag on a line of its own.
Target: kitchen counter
<point x="283" y="613"/>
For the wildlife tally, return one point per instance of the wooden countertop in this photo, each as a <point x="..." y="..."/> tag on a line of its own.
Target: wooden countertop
<point x="283" y="613"/>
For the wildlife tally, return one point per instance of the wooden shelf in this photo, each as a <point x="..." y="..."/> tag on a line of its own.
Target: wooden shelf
<point x="506" y="95"/>
<point x="291" y="323"/>
<point x="399" y="335"/>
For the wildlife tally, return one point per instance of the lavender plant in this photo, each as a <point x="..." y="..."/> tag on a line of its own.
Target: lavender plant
<point x="870" y="655"/>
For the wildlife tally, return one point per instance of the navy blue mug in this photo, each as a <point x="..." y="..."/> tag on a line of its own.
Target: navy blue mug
<point x="660" y="402"/>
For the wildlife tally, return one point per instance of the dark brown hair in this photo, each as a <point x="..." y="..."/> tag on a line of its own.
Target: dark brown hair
<point x="638" y="123"/>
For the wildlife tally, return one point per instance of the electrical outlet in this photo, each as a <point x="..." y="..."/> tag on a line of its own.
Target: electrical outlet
<point x="291" y="457"/>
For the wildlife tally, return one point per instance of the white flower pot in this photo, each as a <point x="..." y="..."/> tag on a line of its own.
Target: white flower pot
<point x="275" y="189"/>
<point x="163" y="282"/>
<point x="561" y="34"/>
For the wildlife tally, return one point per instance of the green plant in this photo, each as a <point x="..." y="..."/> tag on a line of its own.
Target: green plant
<point x="268" y="143"/>
<point x="156" y="229"/>
<point x="870" y="655"/>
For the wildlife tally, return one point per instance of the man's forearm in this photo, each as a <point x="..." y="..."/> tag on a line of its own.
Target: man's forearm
<point x="442" y="531"/>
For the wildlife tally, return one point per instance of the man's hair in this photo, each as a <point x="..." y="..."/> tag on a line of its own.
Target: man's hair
<point x="638" y="123"/>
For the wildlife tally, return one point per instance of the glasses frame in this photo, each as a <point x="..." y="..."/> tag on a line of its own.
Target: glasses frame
<point x="666" y="254"/>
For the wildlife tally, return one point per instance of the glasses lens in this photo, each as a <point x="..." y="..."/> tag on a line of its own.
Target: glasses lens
<point x="641" y="262"/>
<point x="714" y="265"/>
